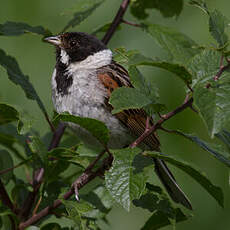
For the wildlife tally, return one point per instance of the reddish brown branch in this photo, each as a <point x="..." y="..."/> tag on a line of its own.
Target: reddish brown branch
<point x="165" y="117"/>
<point x="49" y="122"/>
<point x="84" y="179"/>
<point x="57" y="136"/>
<point x="220" y="72"/>
<point x="116" y="21"/>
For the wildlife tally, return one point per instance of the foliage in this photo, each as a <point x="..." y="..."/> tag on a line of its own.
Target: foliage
<point x="204" y="71"/>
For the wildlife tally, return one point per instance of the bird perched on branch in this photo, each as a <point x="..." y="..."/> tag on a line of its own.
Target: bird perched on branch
<point x="84" y="77"/>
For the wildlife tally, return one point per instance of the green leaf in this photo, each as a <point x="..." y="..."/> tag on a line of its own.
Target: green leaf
<point x="128" y="98"/>
<point x="7" y="141"/>
<point x="120" y="180"/>
<point x="148" y="88"/>
<point x="224" y="136"/>
<point x="180" y="48"/>
<point x="25" y="122"/>
<point x="9" y="136"/>
<point x="18" y="78"/>
<point x="213" y="104"/>
<point x="6" y="223"/>
<point x="76" y="210"/>
<point x="37" y="147"/>
<point x="8" y="114"/>
<point x="99" y="198"/>
<point x="155" y="200"/>
<point x="213" y="190"/>
<point x="88" y="150"/>
<point x="19" y="28"/>
<point x="6" y="162"/>
<point x="97" y="128"/>
<point x="133" y="58"/>
<point x="217" y="25"/>
<point x="166" y="7"/>
<point x="213" y="101"/>
<point x="82" y="10"/>
<point x="178" y="69"/>
<point x="33" y="228"/>
<point x="69" y="155"/>
<point x="160" y="219"/>
<point x="213" y="149"/>
<point x="51" y="226"/>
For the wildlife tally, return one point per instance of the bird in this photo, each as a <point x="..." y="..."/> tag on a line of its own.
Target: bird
<point x="84" y="77"/>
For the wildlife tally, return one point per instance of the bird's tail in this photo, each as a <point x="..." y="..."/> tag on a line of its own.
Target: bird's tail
<point x="170" y="183"/>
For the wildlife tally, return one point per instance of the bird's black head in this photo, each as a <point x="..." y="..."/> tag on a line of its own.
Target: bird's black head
<point x="77" y="45"/>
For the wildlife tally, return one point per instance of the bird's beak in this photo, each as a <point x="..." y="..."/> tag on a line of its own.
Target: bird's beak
<point x="55" y="40"/>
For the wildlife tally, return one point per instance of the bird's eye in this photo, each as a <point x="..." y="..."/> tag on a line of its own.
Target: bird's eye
<point x="72" y="43"/>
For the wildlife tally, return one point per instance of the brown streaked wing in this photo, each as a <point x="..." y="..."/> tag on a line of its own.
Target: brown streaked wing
<point x="113" y="76"/>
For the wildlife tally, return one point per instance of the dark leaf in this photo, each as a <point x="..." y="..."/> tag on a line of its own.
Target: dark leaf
<point x="224" y="136"/>
<point x="8" y="114"/>
<point x="6" y="162"/>
<point x="97" y="128"/>
<point x="66" y="155"/>
<point x="20" y="192"/>
<point x="18" y="78"/>
<point x="51" y="226"/>
<point x="214" y="150"/>
<point x="19" y="28"/>
<point x="9" y="136"/>
<point x="167" y="8"/>
<point x="160" y="219"/>
<point x="200" y="178"/>
<point x="200" y="4"/>
<point x="82" y="10"/>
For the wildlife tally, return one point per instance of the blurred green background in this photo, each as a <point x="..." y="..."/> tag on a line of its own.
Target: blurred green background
<point x="37" y="59"/>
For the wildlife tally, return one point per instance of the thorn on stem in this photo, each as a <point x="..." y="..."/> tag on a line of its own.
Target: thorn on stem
<point x="76" y="192"/>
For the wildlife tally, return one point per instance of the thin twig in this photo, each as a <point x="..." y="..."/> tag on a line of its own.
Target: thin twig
<point x="116" y="21"/>
<point x="221" y="69"/>
<point x="220" y="72"/>
<point x="130" y="23"/>
<point x="49" y="122"/>
<point x="37" y="205"/>
<point x="14" y="167"/>
<point x="57" y="136"/>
